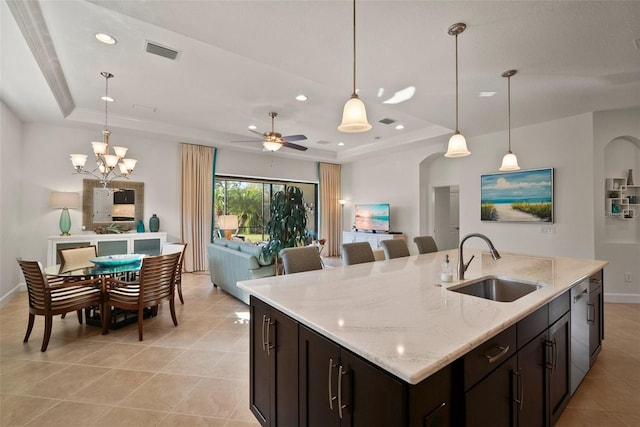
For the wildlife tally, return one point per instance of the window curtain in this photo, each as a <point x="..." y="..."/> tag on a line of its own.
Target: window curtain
<point x="197" y="202"/>
<point x="330" y="214"/>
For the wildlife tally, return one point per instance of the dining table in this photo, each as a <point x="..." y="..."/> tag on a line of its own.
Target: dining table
<point x="125" y="268"/>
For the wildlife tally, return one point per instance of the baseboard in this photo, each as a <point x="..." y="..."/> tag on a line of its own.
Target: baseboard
<point x="622" y="298"/>
<point x="20" y="287"/>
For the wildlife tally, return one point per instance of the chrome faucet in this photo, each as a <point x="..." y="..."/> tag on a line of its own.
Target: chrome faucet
<point x="462" y="267"/>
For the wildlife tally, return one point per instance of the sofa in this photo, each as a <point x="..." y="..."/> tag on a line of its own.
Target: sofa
<point x="231" y="261"/>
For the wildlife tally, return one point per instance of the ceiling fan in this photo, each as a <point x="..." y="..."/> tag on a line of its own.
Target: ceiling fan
<point x="273" y="140"/>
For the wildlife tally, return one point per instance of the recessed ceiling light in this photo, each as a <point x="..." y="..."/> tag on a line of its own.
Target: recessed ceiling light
<point x="253" y="127"/>
<point x="399" y="127"/>
<point x="486" y="94"/>
<point x="105" y="38"/>
<point x="402" y="95"/>
<point x="302" y="97"/>
<point x="340" y="144"/>
<point x="107" y="98"/>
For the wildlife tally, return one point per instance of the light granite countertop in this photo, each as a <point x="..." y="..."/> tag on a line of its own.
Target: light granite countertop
<point x="399" y="316"/>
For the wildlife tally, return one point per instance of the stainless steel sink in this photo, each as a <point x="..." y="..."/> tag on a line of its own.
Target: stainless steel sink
<point x="497" y="288"/>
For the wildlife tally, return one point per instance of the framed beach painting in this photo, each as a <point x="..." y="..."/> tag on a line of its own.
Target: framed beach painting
<point x="520" y="196"/>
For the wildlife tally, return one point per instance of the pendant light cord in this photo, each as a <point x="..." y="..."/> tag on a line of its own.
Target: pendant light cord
<point x="509" y="108"/>
<point x="457" y="131"/>
<point x="354" y="48"/>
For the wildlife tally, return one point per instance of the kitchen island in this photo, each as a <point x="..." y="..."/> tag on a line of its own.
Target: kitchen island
<point x="398" y="317"/>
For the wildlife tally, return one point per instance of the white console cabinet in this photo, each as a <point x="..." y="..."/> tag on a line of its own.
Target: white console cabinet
<point x="374" y="239"/>
<point x="108" y="244"/>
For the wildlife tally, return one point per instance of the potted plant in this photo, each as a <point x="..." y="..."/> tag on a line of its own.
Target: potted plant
<point x="287" y="227"/>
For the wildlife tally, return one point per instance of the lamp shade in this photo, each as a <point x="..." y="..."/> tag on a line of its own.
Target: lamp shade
<point x="228" y="222"/>
<point x="272" y="145"/>
<point x="509" y="162"/>
<point x="354" y="116"/>
<point x="64" y="199"/>
<point x="457" y="146"/>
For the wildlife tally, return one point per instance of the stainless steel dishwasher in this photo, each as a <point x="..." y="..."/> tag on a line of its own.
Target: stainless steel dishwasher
<point x="579" y="333"/>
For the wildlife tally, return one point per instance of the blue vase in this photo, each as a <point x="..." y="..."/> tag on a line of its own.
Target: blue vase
<point x="154" y="223"/>
<point x="140" y="227"/>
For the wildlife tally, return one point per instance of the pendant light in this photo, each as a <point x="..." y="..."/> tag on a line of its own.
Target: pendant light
<point x="354" y="114"/>
<point x="457" y="144"/>
<point x="509" y="161"/>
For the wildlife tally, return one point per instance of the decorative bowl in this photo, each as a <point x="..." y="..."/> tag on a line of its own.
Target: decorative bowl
<point x="110" y="260"/>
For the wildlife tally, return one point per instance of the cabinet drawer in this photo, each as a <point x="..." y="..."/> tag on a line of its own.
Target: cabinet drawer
<point x="595" y="281"/>
<point x="559" y="306"/>
<point x="484" y="359"/>
<point x="531" y="326"/>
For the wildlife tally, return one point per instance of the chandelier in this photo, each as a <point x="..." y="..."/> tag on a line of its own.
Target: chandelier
<point x="108" y="166"/>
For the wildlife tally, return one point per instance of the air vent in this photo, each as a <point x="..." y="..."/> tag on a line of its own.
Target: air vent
<point x="163" y="51"/>
<point x="387" y="121"/>
<point x="322" y="142"/>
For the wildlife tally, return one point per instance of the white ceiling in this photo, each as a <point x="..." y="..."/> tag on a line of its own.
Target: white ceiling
<point x="241" y="59"/>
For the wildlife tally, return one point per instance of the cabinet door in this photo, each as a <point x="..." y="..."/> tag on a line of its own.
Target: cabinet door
<point x="531" y="387"/>
<point x="558" y="372"/>
<point x="491" y="401"/>
<point x="260" y="365"/>
<point x="284" y="335"/>
<point x="319" y="362"/>
<point x="369" y="396"/>
<point x="595" y="319"/>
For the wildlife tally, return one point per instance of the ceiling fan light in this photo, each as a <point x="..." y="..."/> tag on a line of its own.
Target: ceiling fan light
<point x="271" y="145"/>
<point x="457" y="146"/>
<point x="354" y="116"/>
<point x="509" y="163"/>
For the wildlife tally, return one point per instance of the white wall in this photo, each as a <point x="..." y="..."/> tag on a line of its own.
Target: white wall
<point x="10" y="197"/>
<point x="265" y="165"/>
<point x="617" y="241"/>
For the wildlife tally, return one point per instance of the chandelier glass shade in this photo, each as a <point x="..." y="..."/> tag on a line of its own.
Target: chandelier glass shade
<point x="509" y="161"/>
<point x="457" y="144"/>
<point x="108" y="166"/>
<point x="354" y="113"/>
<point x="272" y="145"/>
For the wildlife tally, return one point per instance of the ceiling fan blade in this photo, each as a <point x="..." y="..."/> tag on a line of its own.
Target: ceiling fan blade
<point x="291" y="138"/>
<point x="249" y="140"/>
<point x="294" y="146"/>
<point x="257" y="133"/>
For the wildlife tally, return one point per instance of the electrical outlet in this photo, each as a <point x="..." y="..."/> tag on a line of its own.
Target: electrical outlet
<point x="627" y="277"/>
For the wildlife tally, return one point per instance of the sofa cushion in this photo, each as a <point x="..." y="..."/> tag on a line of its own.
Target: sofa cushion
<point x="220" y="242"/>
<point x="257" y="251"/>
<point x="233" y="245"/>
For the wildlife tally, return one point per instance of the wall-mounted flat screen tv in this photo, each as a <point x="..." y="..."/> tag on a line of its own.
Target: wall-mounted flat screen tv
<point x="372" y="217"/>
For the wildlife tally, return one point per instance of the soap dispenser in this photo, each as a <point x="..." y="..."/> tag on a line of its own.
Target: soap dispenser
<point x="446" y="271"/>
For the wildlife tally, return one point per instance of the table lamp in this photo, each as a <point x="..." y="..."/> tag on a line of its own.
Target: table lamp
<point x="227" y="223"/>
<point x="65" y="201"/>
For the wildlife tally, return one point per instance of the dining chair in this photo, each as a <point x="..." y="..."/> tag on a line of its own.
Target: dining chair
<point x="394" y="248"/>
<point x="157" y="283"/>
<point x="50" y="297"/>
<point x="425" y="244"/>
<point x="357" y="253"/>
<point x="77" y="258"/>
<point x="171" y="248"/>
<point x="304" y="258"/>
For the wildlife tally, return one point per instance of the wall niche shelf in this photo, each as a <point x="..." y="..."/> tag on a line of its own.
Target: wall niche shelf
<point x="621" y="200"/>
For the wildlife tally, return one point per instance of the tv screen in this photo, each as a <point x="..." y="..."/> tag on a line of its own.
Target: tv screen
<point x="372" y="217"/>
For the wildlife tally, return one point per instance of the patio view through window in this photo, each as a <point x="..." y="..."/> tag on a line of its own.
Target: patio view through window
<point x="249" y="199"/>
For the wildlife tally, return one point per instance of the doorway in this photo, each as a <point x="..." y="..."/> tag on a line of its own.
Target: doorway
<point x="446" y="214"/>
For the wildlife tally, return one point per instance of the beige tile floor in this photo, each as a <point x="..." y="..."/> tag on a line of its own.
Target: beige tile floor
<point x="197" y="374"/>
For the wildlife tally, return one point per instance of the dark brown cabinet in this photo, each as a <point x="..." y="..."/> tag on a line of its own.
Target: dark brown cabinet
<point x="595" y="316"/>
<point x="273" y="366"/>
<point x="338" y="388"/>
<point x="532" y="387"/>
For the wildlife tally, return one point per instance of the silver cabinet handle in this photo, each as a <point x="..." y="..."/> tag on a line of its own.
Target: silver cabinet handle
<point x="331" y="396"/>
<point x="580" y="295"/>
<point x="548" y="363"/>
<point x="341" y="372"/>
<point x="268" y="343"/>
<point x="519" y="399"/>
<point x="264" y="321"/>
<point x="503" y="351"/>
<point x="555" y="354"/>
<point x="589" y="308"/>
